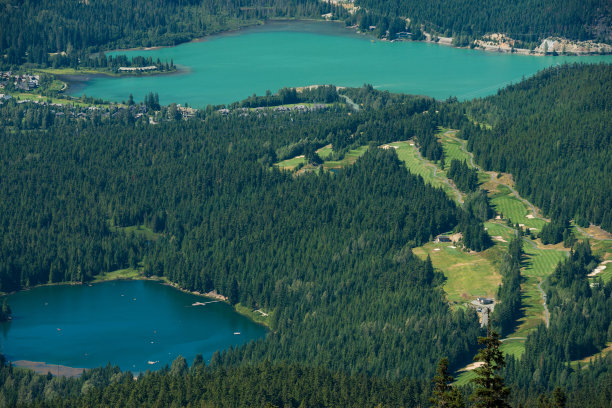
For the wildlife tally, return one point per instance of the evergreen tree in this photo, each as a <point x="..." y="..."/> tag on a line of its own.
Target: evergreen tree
<point x="444" y="394"/>
<point x="490" y="391"/>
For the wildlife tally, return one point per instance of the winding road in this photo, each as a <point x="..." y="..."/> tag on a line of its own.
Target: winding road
<point x="350" y="103"/>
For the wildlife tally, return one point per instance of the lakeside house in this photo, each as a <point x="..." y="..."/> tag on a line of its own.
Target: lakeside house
<point x="137" y="69"/>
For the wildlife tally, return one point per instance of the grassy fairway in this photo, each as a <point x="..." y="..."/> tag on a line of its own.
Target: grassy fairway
<point x="408" y="153"/>
<point x="511" y="207"/>
<point x="349" y="158"/>
<point x="452" y="148"/>
<point x="325" y="151"/>
<point x="516" y="348"/>
<point x="538" y="264"/>
<point x="587" y="360"/>
<point x="467" y="275"/>
<point x="464" y="378"/>
<point x="291" y="164"/>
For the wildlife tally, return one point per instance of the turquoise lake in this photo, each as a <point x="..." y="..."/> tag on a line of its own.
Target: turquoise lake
<point x="230" y="67"/>
<point x="126" y="323"/>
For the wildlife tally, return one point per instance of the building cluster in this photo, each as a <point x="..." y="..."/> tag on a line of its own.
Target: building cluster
<point x="23" y="82"/>
<point x="282" y="108"/>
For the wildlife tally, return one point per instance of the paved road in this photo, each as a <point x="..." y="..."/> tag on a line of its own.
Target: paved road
<point x="350" y="102"/>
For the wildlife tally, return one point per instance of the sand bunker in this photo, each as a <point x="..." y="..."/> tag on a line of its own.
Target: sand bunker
<point x="473" y="366"/>
<point x="602" y="267"/>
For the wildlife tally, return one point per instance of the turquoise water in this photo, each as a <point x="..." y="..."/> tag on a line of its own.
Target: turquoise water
<point x="127" y="323"/>
<point x="231" y="67"/>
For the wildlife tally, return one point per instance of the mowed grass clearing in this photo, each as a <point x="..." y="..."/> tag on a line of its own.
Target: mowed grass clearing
<point x="538" y="264"/>
<point x="291" y="164"/>
<point x="509" y="206"/>
<point x="409" y="154"/>
<point x="467" y="275"/>
<point x="349" y="158"/>
<point x="128" y="273"/>
<point x="513" y="347"/>
<point x="141" y="230"/>
<point x="325" y="151"/>
<point x="452" y="148"/>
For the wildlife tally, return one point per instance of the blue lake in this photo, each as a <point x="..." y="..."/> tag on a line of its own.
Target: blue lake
<point x="230" y="67"/>
<point x="126" y="323"/>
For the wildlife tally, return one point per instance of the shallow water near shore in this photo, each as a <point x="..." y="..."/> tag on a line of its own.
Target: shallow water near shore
<point x="232" y="66"/>
<point x="137" y="325"/>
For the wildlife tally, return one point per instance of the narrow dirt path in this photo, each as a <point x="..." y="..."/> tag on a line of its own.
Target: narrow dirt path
<point x="546" y="312"/>
<point x="585" y="232"/>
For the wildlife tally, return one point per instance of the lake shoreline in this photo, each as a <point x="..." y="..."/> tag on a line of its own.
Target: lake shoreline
<point x="236" y="327"/>
<point x="73" y="82"/>
<point x="214" y="295"/>
<point x="442" y="41"/>
<point x="43" y="368"/>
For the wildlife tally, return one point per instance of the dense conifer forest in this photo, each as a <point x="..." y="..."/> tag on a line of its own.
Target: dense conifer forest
<point x="328" y="254"/>
<point x="31" y="30"/>
<point x="356" y="318"/>
<point x="526" y="20"/>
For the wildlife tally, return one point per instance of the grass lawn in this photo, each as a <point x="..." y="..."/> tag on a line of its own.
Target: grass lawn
<point x="349" y="158"/>
<point x="467" y="275"/>
<point x="71" y="71"/>
<point x="254" y="315"/>
<point x="128" y="273"/>
<point x="142" y="230"/>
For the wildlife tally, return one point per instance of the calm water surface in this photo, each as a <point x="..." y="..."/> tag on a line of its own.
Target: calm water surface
<point x="233" y="66"/>
<point x="127" y="323"/>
